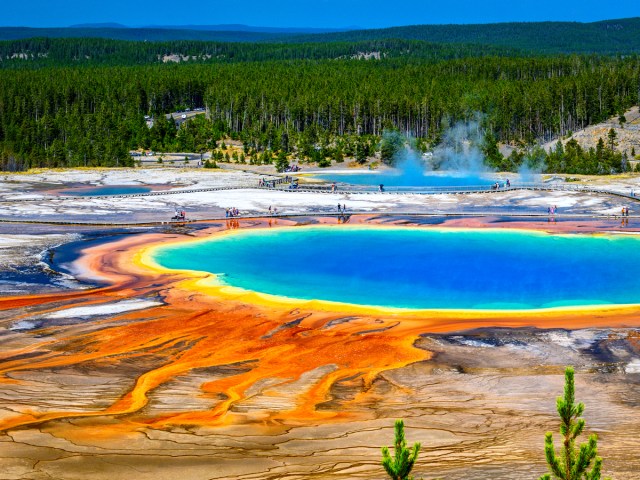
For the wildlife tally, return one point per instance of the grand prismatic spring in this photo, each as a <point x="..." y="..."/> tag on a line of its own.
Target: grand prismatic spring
<point x="421" y="269"/>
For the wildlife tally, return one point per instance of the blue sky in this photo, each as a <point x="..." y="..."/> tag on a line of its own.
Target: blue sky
<point x="307" y="13"/>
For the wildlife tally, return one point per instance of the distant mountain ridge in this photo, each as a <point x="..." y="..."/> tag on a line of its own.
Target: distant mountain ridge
<point x="250" y="28"/>
<point x="136" y="34"/>
<point x="223" y="27"/>
<point x="99" y="25"/>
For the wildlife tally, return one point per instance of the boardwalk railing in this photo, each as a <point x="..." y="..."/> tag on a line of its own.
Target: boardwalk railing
<point x="458" y="189"/>
<point x="281" y="185"/>
<point x="346" y="216"/>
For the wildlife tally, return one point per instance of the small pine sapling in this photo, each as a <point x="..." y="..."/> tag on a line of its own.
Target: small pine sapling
<point x="400" y="465"/>
<point x="571" y="463"/>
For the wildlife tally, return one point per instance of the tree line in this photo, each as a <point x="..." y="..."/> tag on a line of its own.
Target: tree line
<point x="51" y="52"/>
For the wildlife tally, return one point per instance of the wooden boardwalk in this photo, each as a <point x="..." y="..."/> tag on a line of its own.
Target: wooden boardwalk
<point x="326" y="189"/>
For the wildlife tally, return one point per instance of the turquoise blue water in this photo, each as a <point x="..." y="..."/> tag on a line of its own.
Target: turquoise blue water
<point x="392" y="179"/>
<point x="422" y="268"/>
<point x="107" y="190"/>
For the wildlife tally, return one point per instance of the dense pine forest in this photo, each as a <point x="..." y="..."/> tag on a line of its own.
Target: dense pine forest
<point x="42" y="52"/>
<point x="317" y="101"/>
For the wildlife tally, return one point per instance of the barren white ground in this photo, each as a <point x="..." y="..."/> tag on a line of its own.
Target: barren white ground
<point x="35" y="197"/>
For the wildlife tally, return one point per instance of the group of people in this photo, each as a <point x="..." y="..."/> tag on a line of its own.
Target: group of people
<point x="498" y="185"/>
<point x="552" y="210"/>
<point x="180" y="215"/>
<point x="342" y="208"/>
<point x="293" y="168"/>
<point x="232" y="212"/>
<point x="625" y="211"/>
<point x="273" y="211"/>
<point x="267" y="183"/>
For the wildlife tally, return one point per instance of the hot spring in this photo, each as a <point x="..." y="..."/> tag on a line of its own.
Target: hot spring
<point x="106" y="190"/>
<point x="412" y="172"/>
<point x="420" y="268"/>
<point x="397" y="179"/>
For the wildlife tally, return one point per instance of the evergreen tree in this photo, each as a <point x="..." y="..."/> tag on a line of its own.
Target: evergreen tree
<point x="491" y="151"/>
<point x="324" y="162"/>
<point x="284" y="142"/>
<point x="281" y="163"/>
<point x="600" y="149"/>
<point x="400" y="465"/>
<point x="392" y="142"/>
<point x="361" y="152"/>
<point x="571" y="463"/>
<point x="612" y="135"/>
<point x="622" y="120"/>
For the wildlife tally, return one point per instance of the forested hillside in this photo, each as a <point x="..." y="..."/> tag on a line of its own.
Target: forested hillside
<point x="92" y="115"/>
<point x="608" y="37"/>
<point x="605" y="37"/>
